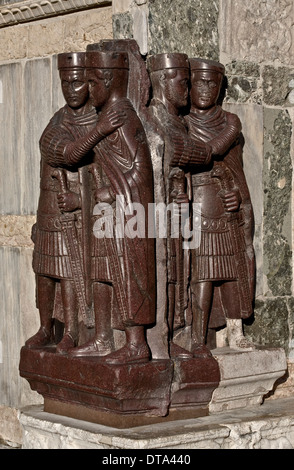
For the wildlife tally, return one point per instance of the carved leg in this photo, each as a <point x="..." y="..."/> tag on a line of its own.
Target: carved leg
<point x="70" y="308"/>
<point x="175" y="350"/>
<point x="46" y="296"/>
<point x="201" y="304"/>
<point x="102" y="344"/>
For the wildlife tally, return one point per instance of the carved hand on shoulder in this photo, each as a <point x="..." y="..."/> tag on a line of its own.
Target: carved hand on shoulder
<point x="111" y="120"/>
<point x="68" y="202"/>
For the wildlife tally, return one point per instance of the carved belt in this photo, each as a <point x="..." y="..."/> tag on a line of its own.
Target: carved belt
<point x="53" y="224"/>
<point x="220" y="224"/>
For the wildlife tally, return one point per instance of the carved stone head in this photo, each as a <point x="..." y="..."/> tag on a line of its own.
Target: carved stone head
<point x="71" y="66"/>
<point x="107" y="74"/>
<point x="206" y="81"/>
<point x="169" y="75"/>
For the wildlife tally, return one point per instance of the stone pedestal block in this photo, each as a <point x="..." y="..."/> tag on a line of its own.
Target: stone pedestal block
<point x="121" y="395"/>
<point x="246" y="377"/>
<point x="194" y="381"/>
<point x="89" y="389"/>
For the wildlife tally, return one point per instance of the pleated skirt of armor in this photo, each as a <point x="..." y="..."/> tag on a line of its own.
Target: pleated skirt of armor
<point x="51" y="257"/>
<point x="214" y="260"/>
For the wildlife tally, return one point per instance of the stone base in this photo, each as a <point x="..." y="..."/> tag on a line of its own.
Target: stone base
<point x="120" y="395"/>
<point x="269" y="426"/>
<point x="121" y="389"/>
<point x="246" y="377"/>
<point x="194" y="382"/>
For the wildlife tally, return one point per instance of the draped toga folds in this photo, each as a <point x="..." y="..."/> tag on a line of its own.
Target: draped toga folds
<point x="128" y="263"/>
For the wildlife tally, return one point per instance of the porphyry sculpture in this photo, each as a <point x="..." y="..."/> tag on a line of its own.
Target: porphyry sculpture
<point x="94" y="260"/>
<point x="223" y="266"/>
<point x="122" y="268"/>
<point x="57" y="235"/>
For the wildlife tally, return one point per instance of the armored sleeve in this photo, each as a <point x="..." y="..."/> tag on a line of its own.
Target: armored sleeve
<point x="228" y="136"/>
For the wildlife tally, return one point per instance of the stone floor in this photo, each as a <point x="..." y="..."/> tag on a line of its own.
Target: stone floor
<point x="268" y="426"/>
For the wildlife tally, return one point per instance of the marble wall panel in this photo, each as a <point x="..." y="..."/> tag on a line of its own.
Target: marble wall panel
<point x="260" y="33"/>
<point x="196" y="31"/>
<point x="37" y="113"/>
<point x="18" y="321"/>
<point x="277" y="217"/>
<point x="9" y="325"/>
<point x="11" y="137"/>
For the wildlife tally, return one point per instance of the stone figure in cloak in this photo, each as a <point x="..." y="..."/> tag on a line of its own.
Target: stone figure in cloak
<point x="223" y="266"/>
<point x="169" y="74"/>
<point x="122" y="261"/>
<point x="57" y="234"/>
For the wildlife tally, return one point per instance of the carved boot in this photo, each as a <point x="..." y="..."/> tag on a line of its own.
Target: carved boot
<point x="95" y="347"/>
<point x="68" y="342"/>
<point x="136" y="349"/>
<point x="42" y="338"/>
<point x="129" y="354"/>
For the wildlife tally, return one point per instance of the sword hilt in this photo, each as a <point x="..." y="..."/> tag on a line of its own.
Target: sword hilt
<point x="60" y="176"/>
<point x="177" y="177"/>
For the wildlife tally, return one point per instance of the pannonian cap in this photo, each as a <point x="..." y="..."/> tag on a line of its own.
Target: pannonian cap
<point x="107" y="60"/>
<point x="206" y="64"/>
<point x="174" y="60"/>
<point x="69" y="60"/>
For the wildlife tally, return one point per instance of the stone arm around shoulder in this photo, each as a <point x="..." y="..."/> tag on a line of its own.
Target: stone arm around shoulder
<point x="226" y="138"/>
<point x="59" y="150"/>
<point x="189" y="152"/>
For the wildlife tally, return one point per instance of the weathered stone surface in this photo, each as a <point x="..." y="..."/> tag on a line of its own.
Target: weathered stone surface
<point x="246" y="377"/>
<point x="243" y="82"/>
<point x="54" y="35"/>
<point x="37" y="102"/>
<point x="122" y="26"/>
<point x="278" y="83"/>
<point x="277" y="183"/>
<point x="10" y="427"/>
<point x="272" y="427"/>
<point x="11" y="138"/>
<point x="18" y="321"/>
<point x="81" y="29"/>
<point x="270" y="326"/>
<point x="262" y="33"/>
<point x="15" y="230"/>
<point x="290" y="301"/>
<point x="196" y="31"/>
